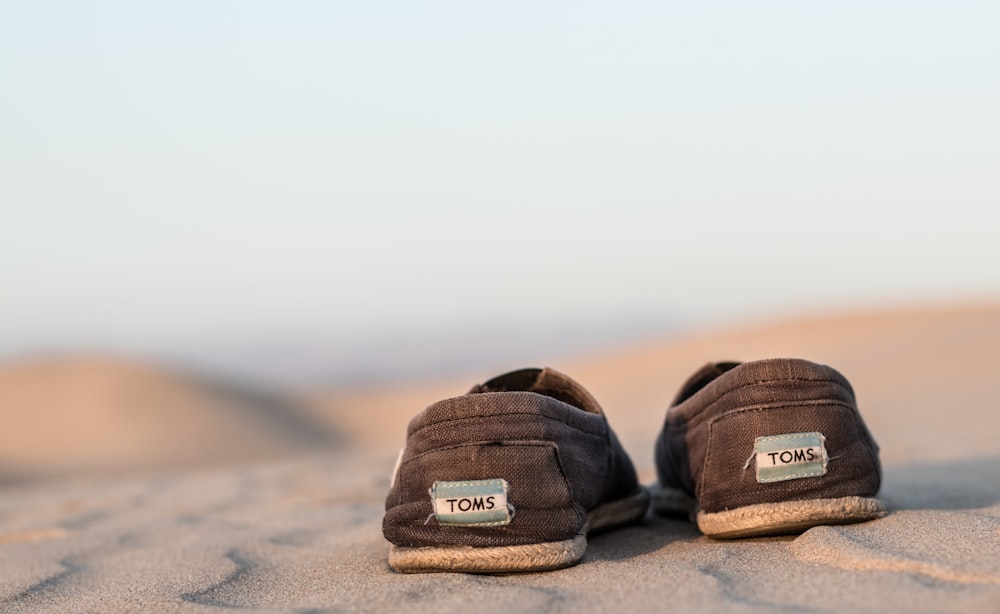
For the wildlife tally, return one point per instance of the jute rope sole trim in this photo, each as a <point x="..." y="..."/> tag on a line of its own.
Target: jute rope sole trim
<point x="499" y="559"/>
<point x="529" y="557"/>
<point x="788" y="516"/>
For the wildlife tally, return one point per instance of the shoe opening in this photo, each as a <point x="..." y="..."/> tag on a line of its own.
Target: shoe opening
<point x="548" y="382"/>
<point x="701" y="378"/>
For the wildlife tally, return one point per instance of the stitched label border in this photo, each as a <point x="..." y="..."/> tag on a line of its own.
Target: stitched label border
<point x="790" y="456"/>
<point x="471" y="503"/>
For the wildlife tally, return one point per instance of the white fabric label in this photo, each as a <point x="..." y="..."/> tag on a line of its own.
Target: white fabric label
<point x="480" y="503"/>
<point x="790" y="456"/>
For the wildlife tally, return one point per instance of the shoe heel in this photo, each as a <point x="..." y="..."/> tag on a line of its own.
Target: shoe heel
<point x="538" y="528"/>
<point x="787" y="467"/>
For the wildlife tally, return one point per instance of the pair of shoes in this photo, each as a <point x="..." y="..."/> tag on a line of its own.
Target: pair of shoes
<point x="515" y="474"/>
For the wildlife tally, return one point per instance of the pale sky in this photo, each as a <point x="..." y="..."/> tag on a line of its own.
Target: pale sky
<point x="184" y="173"/>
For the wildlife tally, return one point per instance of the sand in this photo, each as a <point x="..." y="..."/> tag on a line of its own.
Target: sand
<point x="301" y="532"/>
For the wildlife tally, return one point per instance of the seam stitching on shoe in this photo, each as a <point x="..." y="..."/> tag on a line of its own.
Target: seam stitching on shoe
<point x="513" y="413"/>
<point x="774" y="405"/>
<point x="485" y="442"/>
<point x="702" y="410"/>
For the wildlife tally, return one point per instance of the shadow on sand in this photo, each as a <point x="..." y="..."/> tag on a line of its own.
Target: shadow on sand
<point x="650" y="535"/>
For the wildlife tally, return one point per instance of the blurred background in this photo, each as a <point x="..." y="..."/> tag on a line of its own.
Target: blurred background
<point x="328" y="195"/>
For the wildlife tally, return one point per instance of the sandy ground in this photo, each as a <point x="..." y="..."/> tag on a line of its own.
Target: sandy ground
<point x="280" y="509"/>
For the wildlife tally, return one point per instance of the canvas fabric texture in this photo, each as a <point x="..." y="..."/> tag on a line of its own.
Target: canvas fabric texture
<point x="536" y="429"/>
<point x="706" y="445"/>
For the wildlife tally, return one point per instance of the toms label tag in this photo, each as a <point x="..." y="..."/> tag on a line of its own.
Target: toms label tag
<point x="471" y="503"/>
<point x="790" y="456"/>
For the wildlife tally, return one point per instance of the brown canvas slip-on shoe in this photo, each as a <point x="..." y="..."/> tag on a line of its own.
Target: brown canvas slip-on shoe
<point x="767" y="447"/>
<point x="510" y="477"/>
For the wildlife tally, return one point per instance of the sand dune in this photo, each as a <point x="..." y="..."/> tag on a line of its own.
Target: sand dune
<point x="304" y="534"/>
<point x="89" y="414"/>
